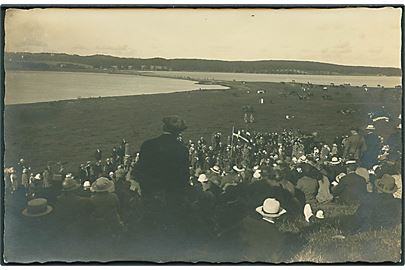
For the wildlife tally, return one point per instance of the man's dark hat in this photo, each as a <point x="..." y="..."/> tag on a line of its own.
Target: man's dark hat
<point x="173" y="124"/>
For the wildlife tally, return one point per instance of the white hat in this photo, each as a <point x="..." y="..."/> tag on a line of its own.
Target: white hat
<point x="335" y="161"/>
<point x="237" y="169"/>
<point x="257" y="174"/>
<point x="339" y="176"/>
<point x="37" y="176"/>
<point x="370" y="127"/>
<point x="270" y="208"/>
<point x="375" y="167"/>
<point x="350" y="162"/>
<point x="86" y="184"/>
<point x="256" y="167"/>
<point x="319" y="214"/>
<point x="302" y="158"/>
<point x="399" y="126"/>
<point x="294" y="159"/>
<point x="215" y="169"/>
<point x="202" y="178"/>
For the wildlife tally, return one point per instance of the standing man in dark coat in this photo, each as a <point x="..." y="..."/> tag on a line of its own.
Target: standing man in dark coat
<point x="163" y="163"/>
<point x="163" y="174"/>
<point x="373" y="147"/>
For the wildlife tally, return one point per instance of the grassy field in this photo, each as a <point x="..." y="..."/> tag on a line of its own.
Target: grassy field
<point x="70" y="131"/>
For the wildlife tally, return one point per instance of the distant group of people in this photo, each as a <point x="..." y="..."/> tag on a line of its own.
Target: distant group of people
<point x="217" y="199"/>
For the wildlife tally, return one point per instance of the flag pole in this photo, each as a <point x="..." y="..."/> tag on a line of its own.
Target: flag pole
<point x="233" y="132"/>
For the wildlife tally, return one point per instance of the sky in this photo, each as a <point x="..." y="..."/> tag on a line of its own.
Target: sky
<point x="349" y="36"/>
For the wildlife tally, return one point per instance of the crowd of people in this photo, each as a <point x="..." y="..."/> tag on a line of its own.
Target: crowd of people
<point x="215" y="198"/>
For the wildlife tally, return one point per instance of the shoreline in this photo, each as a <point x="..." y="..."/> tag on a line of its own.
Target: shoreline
<point x="222" y="83"/>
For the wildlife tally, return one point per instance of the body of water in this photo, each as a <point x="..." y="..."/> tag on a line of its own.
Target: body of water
<point x="40" y="86"/>
<point x="371" y="81"/>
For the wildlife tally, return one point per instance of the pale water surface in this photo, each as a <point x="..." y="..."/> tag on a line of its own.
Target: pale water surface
<point x="372" y="81"/>
<point x="41" y="86"/>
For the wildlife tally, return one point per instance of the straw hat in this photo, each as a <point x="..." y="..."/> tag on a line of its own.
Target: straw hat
<point x="271" y="208"/>
<point x="339" y="176"/>
<point x="37" y="176"/>
<point x="202" y="178"/>
<point x="302" y="159"/>
<point x="319" y="214"/>
<point x="370" y="127"/>
<point x="102" y="184"/>
<point x="386" y="184"/>
<point x="237" y="169"/>
<point x="335" y="161"/>
<point x="215" y="169"/>
<point x="350" y="162"/>
<point x="37" y="207"/>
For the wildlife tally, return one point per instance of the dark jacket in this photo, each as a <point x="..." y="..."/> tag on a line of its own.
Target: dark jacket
<point x="163" y="165"/>
<point x="351" y="188"/>
<point x="373" y="148"/>
<point x="263" y="242"/>
<point x="354" y="147"/>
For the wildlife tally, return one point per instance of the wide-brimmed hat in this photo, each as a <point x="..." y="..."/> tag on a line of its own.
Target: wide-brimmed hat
<point x="70" y="184"/>
<point x="370" y="127"/>
<point x="215" y="169"/>
<point x="386" y="184"/>
<point x="174" y="124"/>
<point x="270" y="208"/>
<point x="335" y="161"/>
<point x="319" y="214"/>
<point x="37" y="207"/>
<point x="302" y="159"/>
<point x="351" y="162"/>
<point x="202" y="178"/>
<point x="102" y="184"/>
<point x="37" y="176"/>
<point x="339" y="176"/>
<point x="236" y="168"/>
<point x="86" y="184"/>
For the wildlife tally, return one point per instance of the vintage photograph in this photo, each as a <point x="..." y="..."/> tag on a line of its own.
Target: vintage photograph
<point x="212" y="135"/>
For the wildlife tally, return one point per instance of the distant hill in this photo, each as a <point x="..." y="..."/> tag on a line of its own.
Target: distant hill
<point x="106" y="63"/>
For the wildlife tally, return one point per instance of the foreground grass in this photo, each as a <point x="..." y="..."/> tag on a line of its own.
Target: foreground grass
<point x="382" y="245"/>
<point x="326" y="243"/>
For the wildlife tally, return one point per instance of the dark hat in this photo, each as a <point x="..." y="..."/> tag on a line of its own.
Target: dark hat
<point x="173" y="124"/>
<point x="386" y="184"/>
<point x="102" y="184"/>
<point x="37" y="207"/>
<point x="70" y="184"/>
